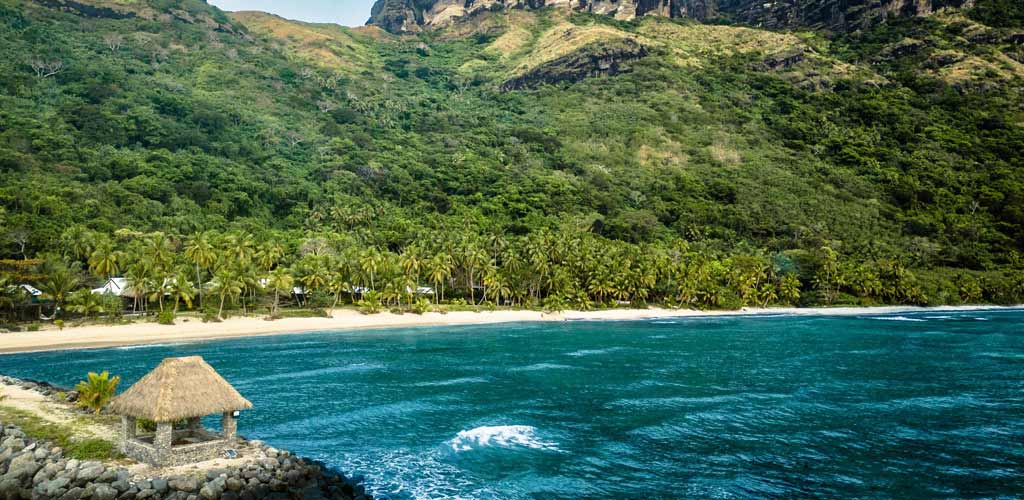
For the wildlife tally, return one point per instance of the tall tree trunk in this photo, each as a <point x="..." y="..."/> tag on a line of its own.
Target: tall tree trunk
<point x="220" y="312"/>
<point x="277" y="297"/>
<point x="199" y="283"/>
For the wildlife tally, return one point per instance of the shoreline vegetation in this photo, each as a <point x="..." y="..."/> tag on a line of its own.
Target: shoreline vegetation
<point x="192" y="329"/>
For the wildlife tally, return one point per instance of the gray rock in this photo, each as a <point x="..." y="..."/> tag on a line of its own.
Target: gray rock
<point x="104" y="492"/>
<point x="271" y="452"/>
<point x="233" y="484"/>
<point x="89" y="471"/>
<point x="145" y="493"/>
<point x="41" y="453"/>
<point x="144" y="485"/>
<point x="89" y="490"/>
<point x="268" y="463"/>
<point x="108" y="476"/>
<point x="72" y="494"/>
<point x="215" y="473"/>
<point x="229" y="495"/>
<point x="128" y="495"/>
<point x="51" y="488"/>
<point x="160" y="485"/>
<point x="123" y="475"/>
<point x="183" y="483"/>
<point x="13" y="443"/>
<point x="72" y="464"/>
<point x="120" y="486"/>
<point x="9" y="487"/>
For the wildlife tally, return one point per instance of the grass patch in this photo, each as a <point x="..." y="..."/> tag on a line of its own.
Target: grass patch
<point x="64" y="436"/>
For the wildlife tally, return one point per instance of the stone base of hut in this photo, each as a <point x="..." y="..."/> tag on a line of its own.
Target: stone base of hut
<point x="169" y="447"/>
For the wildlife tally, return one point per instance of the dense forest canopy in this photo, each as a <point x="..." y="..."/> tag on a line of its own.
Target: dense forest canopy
<point x="898" y="144"/>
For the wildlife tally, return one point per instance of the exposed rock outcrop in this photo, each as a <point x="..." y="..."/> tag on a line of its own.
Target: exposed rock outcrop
<point x="598" y="59"/>
<point x="403" y="16"/>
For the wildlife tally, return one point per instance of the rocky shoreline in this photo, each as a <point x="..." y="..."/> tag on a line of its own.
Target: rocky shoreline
<point x="32" y="469"/>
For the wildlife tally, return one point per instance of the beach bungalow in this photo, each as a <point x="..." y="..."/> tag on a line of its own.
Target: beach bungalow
<point x="175" y="396"/>
<point x="34" y="294"/>
<point x="114" y="286"/>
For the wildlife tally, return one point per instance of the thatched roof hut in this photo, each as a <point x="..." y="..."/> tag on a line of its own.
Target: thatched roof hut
<point x="179" y="389"/>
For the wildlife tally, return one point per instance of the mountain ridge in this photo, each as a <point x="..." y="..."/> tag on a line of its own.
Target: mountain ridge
<point x="408" y="16"/>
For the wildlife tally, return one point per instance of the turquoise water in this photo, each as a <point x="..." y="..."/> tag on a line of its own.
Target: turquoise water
<point x="915" y="405"/>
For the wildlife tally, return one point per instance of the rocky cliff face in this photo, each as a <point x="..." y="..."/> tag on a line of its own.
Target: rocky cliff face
<point x="404" y="16"/>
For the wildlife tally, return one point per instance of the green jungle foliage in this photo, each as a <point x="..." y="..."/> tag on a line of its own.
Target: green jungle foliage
<point x="199" y="156"/>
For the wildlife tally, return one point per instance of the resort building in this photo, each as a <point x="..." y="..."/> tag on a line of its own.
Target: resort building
<point x="174" y="397"/>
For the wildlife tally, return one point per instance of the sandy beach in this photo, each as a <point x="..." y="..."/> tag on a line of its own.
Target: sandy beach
<point x="191" y="329"/>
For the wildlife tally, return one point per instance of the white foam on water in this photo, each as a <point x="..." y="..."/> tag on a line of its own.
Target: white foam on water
<point x="501" y="436"/>
<point x="454" y="381"/>
<point x="899" y="318"/>
<point x="541" y="366"/>
<point x="593" y="352"/>
<point x="938" y="317"/>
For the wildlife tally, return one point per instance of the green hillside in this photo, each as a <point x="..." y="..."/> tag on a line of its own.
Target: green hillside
<point x="898" y="147"/>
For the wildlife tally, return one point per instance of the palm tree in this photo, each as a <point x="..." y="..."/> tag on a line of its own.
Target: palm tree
<point x="371" y="261"/>
<point x="439" y="269"/>
<point x="59" y="283"/>
<point x="225" y="284"/>
<point x="279" y="280"/>
<point x="411" y="264"/>
<point x="181" y="289"/>
<point x="159" y="251"/>
<point x="78" y="242"/>
<point x="337" y="285"/>
<point x="103" y="261"/>
<point x="269" y="254"/>
<point x="473" y="259"/>
<point x="200" y="252"/>
<point x="85" y="302"/>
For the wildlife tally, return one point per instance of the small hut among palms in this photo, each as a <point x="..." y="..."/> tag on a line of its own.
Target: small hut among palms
<point x="175" y="396"/>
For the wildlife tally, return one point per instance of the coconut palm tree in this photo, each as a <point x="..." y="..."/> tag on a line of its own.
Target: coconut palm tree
<point x="439" y="270"/>
<point x="473" y="259"/>
<point x="60" y="281"/>
<point x="371" y="262"/>
<point x="337" y="284"/>
<point x="103" y="260"/>
<point x="239" y="247"/>
<point x="181" y="289"/>
<point x="279" y="280"/>
<point x="85" y="302"/>
<point x="200" y="251"/>
<point x="226" y="284"/>
<point x="269" y="254"/>
<point x="159" y="250"/>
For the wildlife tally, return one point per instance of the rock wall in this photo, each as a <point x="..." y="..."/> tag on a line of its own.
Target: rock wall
<point x="405" y="16"/>
<point x="31" y="470"/>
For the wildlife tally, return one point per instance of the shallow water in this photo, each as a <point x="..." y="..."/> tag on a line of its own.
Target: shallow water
<point x="915" y="405"/>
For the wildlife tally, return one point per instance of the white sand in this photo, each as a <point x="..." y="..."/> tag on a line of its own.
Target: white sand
<point x="94" y="336"/>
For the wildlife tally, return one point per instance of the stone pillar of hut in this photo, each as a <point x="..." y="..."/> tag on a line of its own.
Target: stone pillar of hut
<point x="128" y="429"/>
<point x="163" y="440"/>
<point x="228" y="425"/>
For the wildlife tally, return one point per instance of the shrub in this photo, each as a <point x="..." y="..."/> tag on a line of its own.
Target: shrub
<point x="145" y="425"/>
<point x="97" y="391"/>
<point x="165" y="317"/>
<point x="370" y="303"/>
<point x="421" y="306"/>
<point x="554" y="303"/>
<point x="59" y="324"/>
<point x="34" y="327"/>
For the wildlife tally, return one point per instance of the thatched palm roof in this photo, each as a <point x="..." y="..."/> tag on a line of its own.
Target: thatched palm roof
<point x="177" y="389"/>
